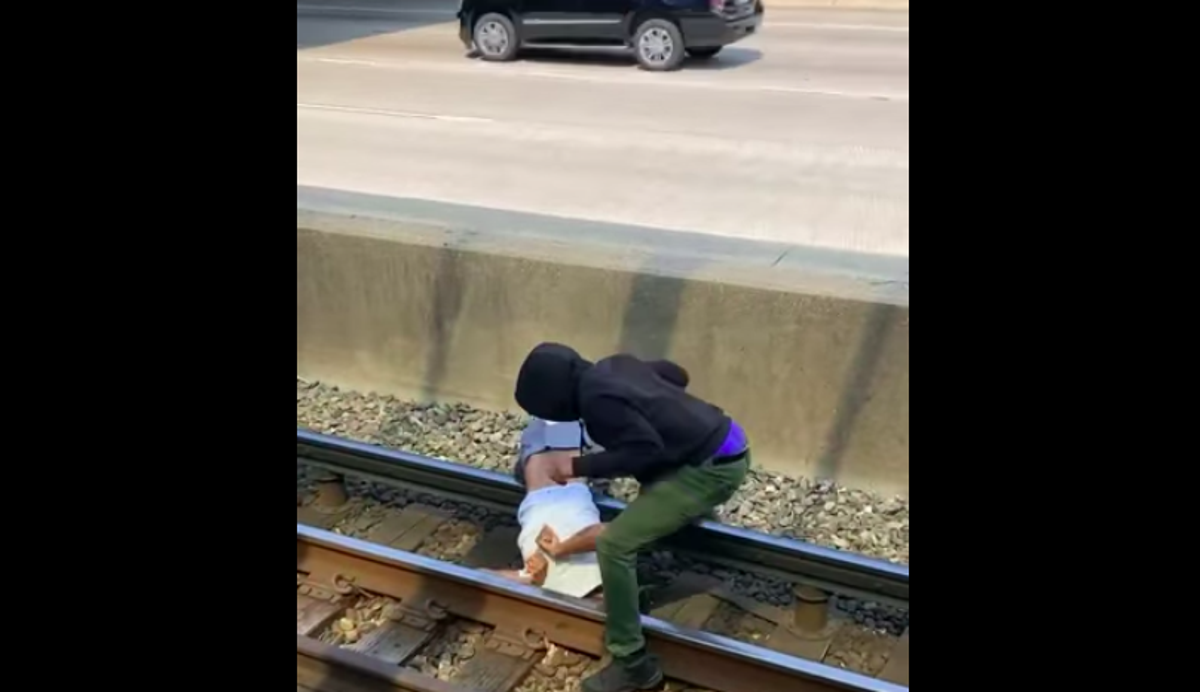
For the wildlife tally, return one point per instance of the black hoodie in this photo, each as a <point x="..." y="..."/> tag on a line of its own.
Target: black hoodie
<point x="637" y="410"/>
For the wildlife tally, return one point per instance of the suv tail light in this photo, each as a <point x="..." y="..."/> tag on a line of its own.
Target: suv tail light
<point x="716" y="5"/>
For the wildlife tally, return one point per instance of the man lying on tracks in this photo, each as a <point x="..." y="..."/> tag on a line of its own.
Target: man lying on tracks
<point x="551" y="509"/>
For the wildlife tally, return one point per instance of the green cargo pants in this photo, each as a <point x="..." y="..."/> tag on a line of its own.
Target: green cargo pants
<point x="664" y="508"/>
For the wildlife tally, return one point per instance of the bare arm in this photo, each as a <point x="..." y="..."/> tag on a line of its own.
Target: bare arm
<point x="582" y="542"/>
<point x="534" y="573"/>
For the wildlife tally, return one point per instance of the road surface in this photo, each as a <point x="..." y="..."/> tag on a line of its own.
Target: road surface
<point x="799" y="134"/>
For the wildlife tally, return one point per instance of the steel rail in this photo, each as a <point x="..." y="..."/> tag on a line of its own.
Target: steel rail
<point x="845" y="573"/>
<point x="697" y="658"/>
<point x="321" y="666"/>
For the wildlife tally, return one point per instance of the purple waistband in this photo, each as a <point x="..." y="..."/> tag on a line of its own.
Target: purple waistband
<point x="735" y="441"/>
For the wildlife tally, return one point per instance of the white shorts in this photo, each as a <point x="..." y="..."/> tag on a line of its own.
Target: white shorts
<point x="567" y="509"/>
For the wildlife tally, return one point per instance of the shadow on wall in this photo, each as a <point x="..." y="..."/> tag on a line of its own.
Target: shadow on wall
<point x="327" y="22"/>
<point x="447" y="304"/>
<point x="880" y="322"/>
<point x="651" y="314"/>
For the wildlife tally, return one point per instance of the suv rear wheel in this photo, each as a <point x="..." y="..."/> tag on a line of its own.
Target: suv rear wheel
<point x="703" y="53"/>
<point x="658" y="45"/>
<point x="495" y="38"/>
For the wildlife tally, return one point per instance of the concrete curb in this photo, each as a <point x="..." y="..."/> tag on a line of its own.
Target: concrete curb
<point x="761" y="264"/>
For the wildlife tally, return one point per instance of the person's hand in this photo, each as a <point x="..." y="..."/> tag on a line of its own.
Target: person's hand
<point x="548" y="541"/>
<point x="536" y="566"/>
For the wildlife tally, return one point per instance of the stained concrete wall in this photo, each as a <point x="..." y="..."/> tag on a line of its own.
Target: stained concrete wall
<point x="427" y="302"/>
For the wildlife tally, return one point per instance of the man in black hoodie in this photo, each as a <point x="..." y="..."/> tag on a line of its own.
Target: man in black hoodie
<point x="687" y="454"/>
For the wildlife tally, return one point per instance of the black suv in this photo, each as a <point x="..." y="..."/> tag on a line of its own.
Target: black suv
<point x="660" y="32"/>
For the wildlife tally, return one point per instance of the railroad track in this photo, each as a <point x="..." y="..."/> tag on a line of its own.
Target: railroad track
<point x="371" y="612"/>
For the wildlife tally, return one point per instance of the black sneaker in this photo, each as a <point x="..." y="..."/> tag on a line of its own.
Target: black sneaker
<point x="630" y="674"/>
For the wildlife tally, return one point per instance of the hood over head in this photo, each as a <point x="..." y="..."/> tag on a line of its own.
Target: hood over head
<point x="548" y="383"/>
<point x="671" y="372"/>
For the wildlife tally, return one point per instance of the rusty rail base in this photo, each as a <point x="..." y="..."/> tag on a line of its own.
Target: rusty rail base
<point x="789" y="559"/>
<point x="698" y="658"/>
<point x="326" y="668"/>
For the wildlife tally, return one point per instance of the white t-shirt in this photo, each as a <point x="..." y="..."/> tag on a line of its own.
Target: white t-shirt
<point x="568" y="509"/>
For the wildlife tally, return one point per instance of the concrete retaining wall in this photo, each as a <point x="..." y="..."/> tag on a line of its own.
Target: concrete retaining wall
<point x="430" y="301"/>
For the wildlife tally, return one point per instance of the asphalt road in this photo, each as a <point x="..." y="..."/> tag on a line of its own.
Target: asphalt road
<point x="799" y="134"/>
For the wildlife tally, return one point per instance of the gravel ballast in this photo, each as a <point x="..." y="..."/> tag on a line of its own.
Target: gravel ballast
<point x="817" y="511"/>
<point x="449" y="652"/>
